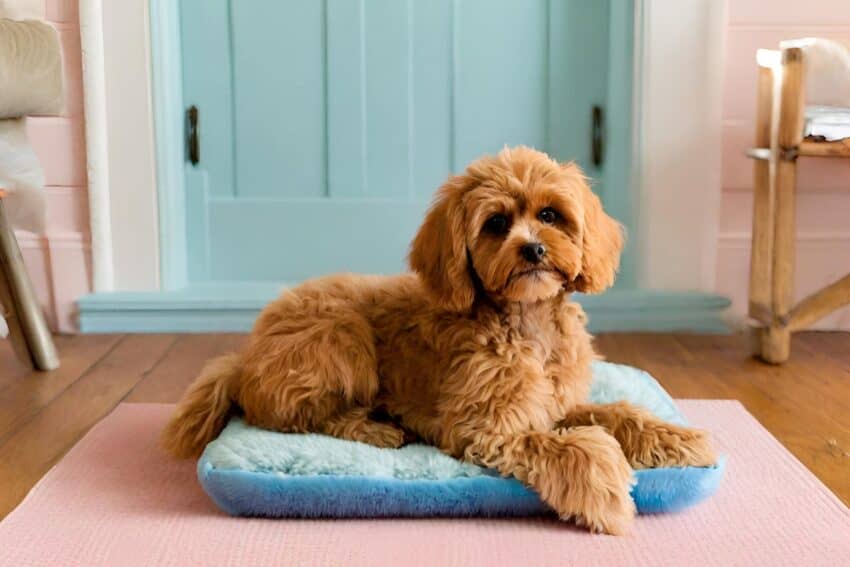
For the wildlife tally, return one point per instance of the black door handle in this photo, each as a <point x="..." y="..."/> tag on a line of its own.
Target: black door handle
<point x="597" y="136"/>
<point x="193" y="146"/>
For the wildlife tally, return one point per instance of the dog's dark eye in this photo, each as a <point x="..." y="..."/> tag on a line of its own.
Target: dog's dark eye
<point x="497" y="224"/>
<point x="547" y="215"/>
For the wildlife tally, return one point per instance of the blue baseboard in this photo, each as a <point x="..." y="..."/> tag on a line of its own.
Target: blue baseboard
<point x="655" y="311"/>
<point x="233" y="308"/>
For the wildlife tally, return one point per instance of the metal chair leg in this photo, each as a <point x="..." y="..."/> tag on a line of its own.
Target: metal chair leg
<point x="24" y="313"/>
<point x="7" y="311"/>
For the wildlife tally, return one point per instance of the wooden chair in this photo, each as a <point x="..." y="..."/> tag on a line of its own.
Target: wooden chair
<point x="779" y="144"/>
<point x="28" y="331"/>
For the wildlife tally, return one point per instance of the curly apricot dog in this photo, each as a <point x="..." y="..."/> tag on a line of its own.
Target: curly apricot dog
<point x="479" y="352"/>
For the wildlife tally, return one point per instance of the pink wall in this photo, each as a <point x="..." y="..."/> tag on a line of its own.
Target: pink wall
<point x="59" y="263"/>
<point x="823" y="205"/>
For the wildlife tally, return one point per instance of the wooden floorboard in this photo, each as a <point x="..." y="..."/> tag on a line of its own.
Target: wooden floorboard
<point x="24" y="393"/>
<point x="167" y="381"/>
<point x="28" y="453"/>
<point x="804" y="403"/>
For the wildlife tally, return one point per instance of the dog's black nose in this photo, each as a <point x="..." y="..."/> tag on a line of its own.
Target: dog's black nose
<point x="533" y="252"/>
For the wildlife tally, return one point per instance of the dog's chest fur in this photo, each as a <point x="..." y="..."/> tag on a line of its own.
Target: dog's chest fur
<point x="508" y="368"/>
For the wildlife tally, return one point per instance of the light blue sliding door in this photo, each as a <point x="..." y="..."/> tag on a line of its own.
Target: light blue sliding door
<point x="324" y="126"/>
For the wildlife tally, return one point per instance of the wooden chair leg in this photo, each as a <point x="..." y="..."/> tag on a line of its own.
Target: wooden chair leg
<point x="761" y="261"/>
<point x="776" y="341"/>
<point x="775" y="344"/>
<point x="779" y="126"/>
<point x="820" y="304"/>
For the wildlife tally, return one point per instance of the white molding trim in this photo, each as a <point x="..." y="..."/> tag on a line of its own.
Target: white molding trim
<point x="97" y="151"/>
<point x="52" y="240"/>
<point x="679" y="124"/>
<point x="120" y="146"/>
<point x="743" y="239"/>
<point x="168" y="116"/>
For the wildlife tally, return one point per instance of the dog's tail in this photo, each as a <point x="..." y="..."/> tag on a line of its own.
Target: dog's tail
<point x="203" y="411"/>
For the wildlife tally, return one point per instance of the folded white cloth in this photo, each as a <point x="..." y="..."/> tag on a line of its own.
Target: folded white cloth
<point x="827" y="122"/>
<point x="30" y="69"/>
<point x="21" y="175"/>
<point x="827" y="71"/>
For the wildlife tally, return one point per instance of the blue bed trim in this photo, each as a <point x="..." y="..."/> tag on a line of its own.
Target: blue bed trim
<point x="244" y="493"/>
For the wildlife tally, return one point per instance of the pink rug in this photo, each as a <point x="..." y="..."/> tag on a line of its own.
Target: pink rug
<point x="117" y="500"/>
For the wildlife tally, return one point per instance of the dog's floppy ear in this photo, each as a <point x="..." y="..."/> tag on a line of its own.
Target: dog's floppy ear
<point x="602" y="242"/>
<point x="438" y="252"/>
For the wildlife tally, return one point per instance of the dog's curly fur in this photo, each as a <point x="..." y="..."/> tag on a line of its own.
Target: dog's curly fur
<point x="479" y="351"/>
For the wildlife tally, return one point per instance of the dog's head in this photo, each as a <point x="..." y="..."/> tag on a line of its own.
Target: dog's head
<point x="523" y="225"/>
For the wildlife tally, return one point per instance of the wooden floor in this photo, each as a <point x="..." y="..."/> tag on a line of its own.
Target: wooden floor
<point x="805" y="403"/>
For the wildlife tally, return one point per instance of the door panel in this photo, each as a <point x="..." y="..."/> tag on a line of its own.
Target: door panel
<point x="500" y="76"/>
<point x="388" y="99"/>
<point x="205" y="37"/>
<point x="433" y="82"/>
<point x="314" y="237"/>
<point x="327" y="125"/>
<point x="387" y="84"/>
<point x="578" y="78"/>
<point x="346" y="100"/>
<point x="279" y="97"/>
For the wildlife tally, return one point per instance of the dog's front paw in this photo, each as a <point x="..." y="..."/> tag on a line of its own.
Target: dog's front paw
<point x="668" y="445"/>
<point x="591" y="482"/>
<point x="383" y="435"/>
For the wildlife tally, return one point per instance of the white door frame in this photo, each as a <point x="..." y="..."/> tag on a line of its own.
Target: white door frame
<point x="122" y="191"/>
<point x="679" y="50"/>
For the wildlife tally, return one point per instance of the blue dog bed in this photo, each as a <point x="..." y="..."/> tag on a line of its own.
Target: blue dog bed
<point x="253" y="472"/>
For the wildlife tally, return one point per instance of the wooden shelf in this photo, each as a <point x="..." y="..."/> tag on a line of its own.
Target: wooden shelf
<point x="809" y="148"/>
<point x="838" y="148"/>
